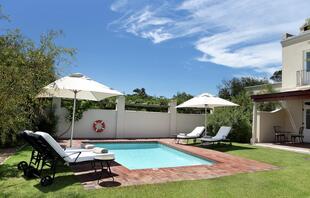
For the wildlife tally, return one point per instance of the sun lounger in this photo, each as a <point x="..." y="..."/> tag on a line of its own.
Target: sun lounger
<point x="50" y="153"/>
<point x="196" y="133"/>
<point x="219" y="137"/>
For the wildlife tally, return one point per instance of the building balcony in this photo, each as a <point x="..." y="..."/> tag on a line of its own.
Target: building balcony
<point x="302" y="77"/>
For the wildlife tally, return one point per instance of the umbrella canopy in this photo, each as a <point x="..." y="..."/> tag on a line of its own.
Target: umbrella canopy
<point x="86" y="89"/>
<point x="206" y="101"/>
<point x="77" y="87"/>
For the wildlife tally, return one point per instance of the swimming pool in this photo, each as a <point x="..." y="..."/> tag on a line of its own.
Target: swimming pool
<point x="151" y="155"/>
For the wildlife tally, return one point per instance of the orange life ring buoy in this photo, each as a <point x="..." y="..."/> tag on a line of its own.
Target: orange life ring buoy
<point x="98" y="126"/>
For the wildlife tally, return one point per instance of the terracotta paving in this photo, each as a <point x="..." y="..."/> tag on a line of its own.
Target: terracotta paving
<point x="225" y="165"/>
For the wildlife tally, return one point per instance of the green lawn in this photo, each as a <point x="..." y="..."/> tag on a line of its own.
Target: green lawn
<point x="292" y="180"/>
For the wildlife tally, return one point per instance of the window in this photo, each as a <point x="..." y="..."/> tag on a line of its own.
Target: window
<point x="307" y="60"/>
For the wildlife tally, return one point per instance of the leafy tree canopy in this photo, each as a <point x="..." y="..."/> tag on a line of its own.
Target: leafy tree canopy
<point x="181" y="97"/>
<point x="235" y="86"/>
<point x="140" y="92"/>
<point x="24" y="69"/>
<point x="277" y="76"/>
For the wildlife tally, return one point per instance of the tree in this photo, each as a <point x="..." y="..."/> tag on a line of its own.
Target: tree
<point x="240" y="118"/>
<point x="140" y="92"/>
<point x="235" y="86"/>
<point x="24" y="69"/>
<point x="277" y="76"/>
<point x="181" y="97"/>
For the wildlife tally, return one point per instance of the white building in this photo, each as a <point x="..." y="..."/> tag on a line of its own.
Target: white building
<point x="293" y="93"/>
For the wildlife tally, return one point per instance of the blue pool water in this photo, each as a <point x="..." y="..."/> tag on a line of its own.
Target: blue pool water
<point x="151" y="155"/>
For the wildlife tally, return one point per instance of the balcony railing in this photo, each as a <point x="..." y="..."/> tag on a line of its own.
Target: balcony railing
<point x="303" y="77"/>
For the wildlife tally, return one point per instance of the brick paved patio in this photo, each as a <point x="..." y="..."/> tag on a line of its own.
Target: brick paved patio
<point x="225" y="165"/>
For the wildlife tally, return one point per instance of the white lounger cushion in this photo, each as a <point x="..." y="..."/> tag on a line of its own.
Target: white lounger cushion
<point x="194" y="134"/>
<point x="87" y="146"/>
<point x="86" y="155"/>
<point x="28" y="131"/>
<point x="72" y="150"/>
<point x="100" y="150"/>
<point x="221" y="134"/>
<point x="53" y="143"/>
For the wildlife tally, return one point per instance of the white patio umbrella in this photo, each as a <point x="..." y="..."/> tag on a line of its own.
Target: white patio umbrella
<point x="206" y="101"/>
<point x="77" y="87"/>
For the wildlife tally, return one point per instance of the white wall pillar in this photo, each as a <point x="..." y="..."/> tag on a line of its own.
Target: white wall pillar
<point x="56" y="103"/>
<point x="60" y="117"/>
<point x="254" y="124"/>
<point x="173" y="117"/>
<point x="120" y="116"/>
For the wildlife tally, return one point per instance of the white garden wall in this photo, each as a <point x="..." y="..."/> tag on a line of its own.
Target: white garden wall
<point x="186" y="122"/>
<point x="130" y="124"/>
<point x="146" y="124"/>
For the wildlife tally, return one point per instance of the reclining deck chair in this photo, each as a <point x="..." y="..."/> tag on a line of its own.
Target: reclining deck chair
<point x="51" y="153"/>
<point x="36" y="154"/>
<point x="219" y="137"/>
<point x="196" y="133"/>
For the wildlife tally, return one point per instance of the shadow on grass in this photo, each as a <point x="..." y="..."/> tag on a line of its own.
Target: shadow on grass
<point x="59" y="183"/>
<point x="63" y="181"/>
<point x="7" y="171"/>
<point x="10" y="170"/>
<point x="225" y="147"/>
<point x="109" y="184"/>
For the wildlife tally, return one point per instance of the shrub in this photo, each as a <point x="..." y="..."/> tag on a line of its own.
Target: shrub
<point x="239" y="118"/>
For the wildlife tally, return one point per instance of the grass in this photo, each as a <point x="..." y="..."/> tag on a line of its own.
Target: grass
<point x="291" y="180"/>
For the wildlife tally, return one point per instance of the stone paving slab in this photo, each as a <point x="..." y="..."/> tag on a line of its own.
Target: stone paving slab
<point x="225" y="165"/>
<point x="298" y="148"/>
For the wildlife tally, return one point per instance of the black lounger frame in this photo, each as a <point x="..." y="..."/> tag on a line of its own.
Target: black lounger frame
<point x="43" y="154"/>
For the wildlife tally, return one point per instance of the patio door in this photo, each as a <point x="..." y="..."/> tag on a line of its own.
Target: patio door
<point x="306" y="121"/>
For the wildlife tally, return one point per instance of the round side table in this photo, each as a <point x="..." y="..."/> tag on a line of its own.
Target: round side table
<point x="104" y="160"/>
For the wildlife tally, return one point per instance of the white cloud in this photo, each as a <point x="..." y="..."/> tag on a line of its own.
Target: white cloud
<point x="240" y="34"/>
<point x="195" y="4"/>
<point x="236" y="49"/>
<point x="157" y="35"/>
<point x="118" y="5"/>
<point x="146" y="24"/>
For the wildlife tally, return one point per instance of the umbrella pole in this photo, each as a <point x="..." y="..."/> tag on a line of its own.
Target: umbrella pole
<point x="206" y="120"/>
<point x="73" y="116"/>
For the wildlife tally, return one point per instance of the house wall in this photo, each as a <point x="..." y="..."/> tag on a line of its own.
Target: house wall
<point x="292" y="61"/>
<point x="130" y="124"/>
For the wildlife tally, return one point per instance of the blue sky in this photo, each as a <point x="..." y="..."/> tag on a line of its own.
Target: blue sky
<point x="165" y="46"/>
